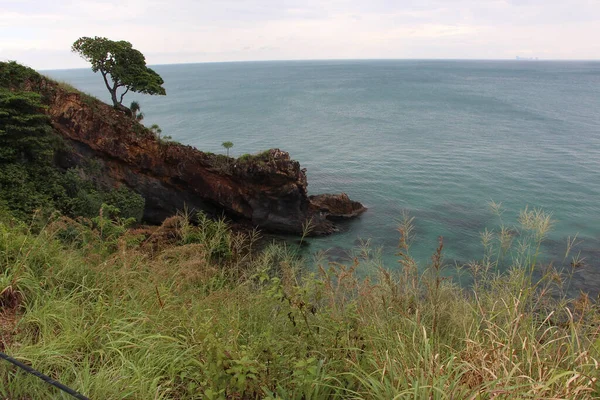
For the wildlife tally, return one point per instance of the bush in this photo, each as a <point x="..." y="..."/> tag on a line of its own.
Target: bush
<point x="28" y="178"/>
<point x="86" y="195"/>
<point x="130" y="204"/>
<point x="14" y="75"/>
<point x="187" y="322"/>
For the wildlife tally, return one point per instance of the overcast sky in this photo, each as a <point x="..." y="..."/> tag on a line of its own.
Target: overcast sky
<point x="39" y="33"/>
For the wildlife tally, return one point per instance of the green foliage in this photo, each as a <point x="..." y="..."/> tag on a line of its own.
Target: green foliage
<point x="5" y="214"/>
<point x="130" y="204"/>
<point x="154" y="129"/>
<point x="214" y="234"/>
<point x="28" y="179"/>
<point x="118" y="314"/>
<point x="136" y="112"/>
<point x="157" y="132"/>
<point x="262" y="157"/>
<point x="120" y="63"/>
<point x="85" y="196"/>
<point x="14" y="75"/>
<point x="110" y="224"/>
<point x="114" y="318"/>
<point x="227" y="145"/>
<point x="24" y="128"/>
<point x="84" y="199"/>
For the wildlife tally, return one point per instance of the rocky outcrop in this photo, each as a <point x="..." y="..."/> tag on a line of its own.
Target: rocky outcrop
<point x="268" y="190"/>
<point x="337" y="206"/>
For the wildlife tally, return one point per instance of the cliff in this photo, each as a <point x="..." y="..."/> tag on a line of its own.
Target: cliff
<point x="268" y="190"/>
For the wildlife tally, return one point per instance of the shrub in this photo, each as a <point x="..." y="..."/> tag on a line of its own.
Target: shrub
<point x="129" y="203"/>
<point x="186" y="322"/>
<point x="28" y="178"/>
<point x="14" y="75"/>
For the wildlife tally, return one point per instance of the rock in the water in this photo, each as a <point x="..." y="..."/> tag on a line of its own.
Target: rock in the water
<point x="337" y="206"/>
<point x="268" y="190"/>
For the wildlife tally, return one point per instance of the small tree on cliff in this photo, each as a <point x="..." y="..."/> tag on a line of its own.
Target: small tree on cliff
<point x="227" y="145"/>
<point x="136" y="111"/>
<point x="123" y="68"/>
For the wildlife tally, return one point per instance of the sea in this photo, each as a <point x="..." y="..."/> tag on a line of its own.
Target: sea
<point x="437" y="140"/>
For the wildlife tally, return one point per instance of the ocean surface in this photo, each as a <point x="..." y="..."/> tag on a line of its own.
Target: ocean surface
<point x="436" y="139"/>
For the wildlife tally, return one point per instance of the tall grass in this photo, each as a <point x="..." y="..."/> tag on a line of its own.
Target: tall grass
<point x="195" y="311"/>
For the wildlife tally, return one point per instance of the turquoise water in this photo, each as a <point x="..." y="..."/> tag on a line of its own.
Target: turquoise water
<point x="438" y="139"/>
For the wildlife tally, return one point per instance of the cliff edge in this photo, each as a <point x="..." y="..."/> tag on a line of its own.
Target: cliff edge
<point x="268" y="190"/>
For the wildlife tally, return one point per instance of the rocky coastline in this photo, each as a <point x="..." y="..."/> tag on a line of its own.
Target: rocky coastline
<point x="268" y="190"/>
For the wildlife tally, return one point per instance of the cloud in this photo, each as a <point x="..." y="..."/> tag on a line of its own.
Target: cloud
<point x="228" y="30"/>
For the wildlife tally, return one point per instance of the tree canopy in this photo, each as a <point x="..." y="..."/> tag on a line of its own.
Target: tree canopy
<point x="227" y="145"/>
<point x="123" y="68"/>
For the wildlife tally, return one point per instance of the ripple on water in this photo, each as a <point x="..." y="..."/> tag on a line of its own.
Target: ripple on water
<point x="437" y="138"/>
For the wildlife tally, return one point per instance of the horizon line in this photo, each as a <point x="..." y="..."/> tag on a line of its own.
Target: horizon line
<point x="516" y="59"/>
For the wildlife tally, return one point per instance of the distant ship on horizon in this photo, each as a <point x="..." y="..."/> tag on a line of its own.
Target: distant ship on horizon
<point x="519" y="58"/>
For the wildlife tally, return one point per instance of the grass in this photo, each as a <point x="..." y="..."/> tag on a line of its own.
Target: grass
<point x="228" y="165"/>
<point x="195" y="311"/>
<point x="264" y="156"/>
<point x="87" y="98"/>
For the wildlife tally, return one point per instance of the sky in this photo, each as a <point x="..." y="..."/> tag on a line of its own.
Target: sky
<point x="39" y="33"/>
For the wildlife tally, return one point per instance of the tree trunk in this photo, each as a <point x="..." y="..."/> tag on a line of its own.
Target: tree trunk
<point x="117" y="104"/>
<point x="126" y="110"/>
<point x="113" y="96"/>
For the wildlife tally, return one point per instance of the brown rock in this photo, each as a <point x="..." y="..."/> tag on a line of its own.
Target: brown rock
<point x="268" y="190"/>
<point x="337" y="206"/>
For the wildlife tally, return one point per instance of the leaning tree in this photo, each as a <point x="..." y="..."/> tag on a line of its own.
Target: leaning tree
<point x="123" y="68"/>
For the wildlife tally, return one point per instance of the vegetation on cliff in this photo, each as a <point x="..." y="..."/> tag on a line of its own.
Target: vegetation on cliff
<point x="29" y="177"/>
<point x="268" y="190"/>
<point x="227" y="146"/>
<point x="27" y="144"/>
<point x="122" y="65"/>
<point x="196" y="312"/>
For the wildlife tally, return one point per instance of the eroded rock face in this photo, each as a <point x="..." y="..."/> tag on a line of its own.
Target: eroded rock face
<point x="268" y="190"/>
<point x="337" y="206"/>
